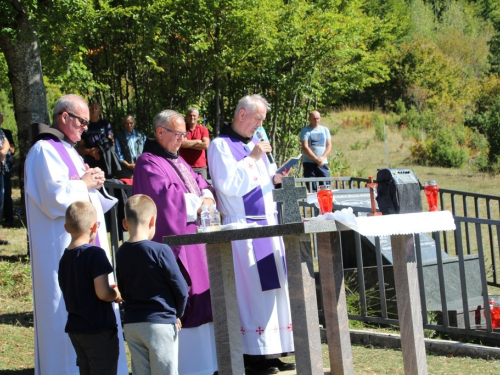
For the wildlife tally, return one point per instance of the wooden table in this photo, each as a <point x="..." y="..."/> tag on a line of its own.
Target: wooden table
<point x="302" y="290"/>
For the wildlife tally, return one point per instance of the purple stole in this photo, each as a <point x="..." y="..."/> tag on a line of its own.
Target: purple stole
<point x="253" y="202"/>
<point x="72" y="171"/>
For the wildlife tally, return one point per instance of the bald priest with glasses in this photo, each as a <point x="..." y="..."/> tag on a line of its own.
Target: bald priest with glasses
<point x="179" y="193"/>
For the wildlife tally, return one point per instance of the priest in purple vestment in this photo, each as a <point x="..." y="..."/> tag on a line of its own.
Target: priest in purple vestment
<point x="179" y="194"/>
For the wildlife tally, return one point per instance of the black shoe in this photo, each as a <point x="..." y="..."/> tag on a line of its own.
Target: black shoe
<point x="261" y="368"/>
<point x="283" y="366"/>
<point x="4" y="242"/>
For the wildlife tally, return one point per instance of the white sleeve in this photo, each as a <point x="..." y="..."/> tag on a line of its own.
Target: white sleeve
<point x="47" y="183"/>
<point x="193" y="203"/>
<point x="231" y="177"/>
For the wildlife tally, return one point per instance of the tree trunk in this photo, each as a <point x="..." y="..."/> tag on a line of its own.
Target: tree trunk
<point x="25" y="75"/>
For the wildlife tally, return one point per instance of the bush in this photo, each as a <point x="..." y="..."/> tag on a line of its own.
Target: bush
<point x="378" y="124"/>
<point x="445" y="150"/>
<point x="400" y="108"/>
<point x="393" y="119"/>
<point x="339" y="166"/>
<point x="493" y="130"/>
<point x="356" y="146"/>
<point x="441" y="148"/>
<point x="479" y="149"/>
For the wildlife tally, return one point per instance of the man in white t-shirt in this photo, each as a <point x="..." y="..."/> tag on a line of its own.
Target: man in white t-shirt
<point x="316" y="144"/>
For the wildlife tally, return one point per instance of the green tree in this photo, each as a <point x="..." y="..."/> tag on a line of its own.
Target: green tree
<point x="19" y="45"/>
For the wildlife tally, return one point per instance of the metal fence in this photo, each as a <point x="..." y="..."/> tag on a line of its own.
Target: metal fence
<point x="454" y="286"/>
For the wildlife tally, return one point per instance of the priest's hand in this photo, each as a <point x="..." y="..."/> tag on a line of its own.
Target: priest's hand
<point x="94" y="178"/>
<point x="205" y="202"/>
<point x="179" y="324"/>
<point x="278" y="177"/>
<point x="260" y="149"/>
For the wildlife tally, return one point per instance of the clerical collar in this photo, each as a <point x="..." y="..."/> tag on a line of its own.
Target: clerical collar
<point x="42" y="131"/>
<point x="154" y="147"/>
<point x="227" y="129"/>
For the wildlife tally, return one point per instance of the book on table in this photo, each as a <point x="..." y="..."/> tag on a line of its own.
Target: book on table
<point x="289" y="164"/>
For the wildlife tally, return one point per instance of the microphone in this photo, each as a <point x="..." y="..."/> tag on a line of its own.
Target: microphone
<point x="260" y="136"/>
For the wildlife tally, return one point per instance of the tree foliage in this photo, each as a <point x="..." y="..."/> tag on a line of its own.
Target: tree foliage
<point x="139" y="57"/>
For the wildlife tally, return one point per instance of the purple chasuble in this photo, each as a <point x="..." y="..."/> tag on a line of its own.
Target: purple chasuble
<point x="253" y="202"/>
<point x="72" y="171"/>
<point x="155" y="177"/>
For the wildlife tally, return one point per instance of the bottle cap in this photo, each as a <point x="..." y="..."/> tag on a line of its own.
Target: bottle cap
<point x="430" y="183"/>
<point x="325" y="187"/>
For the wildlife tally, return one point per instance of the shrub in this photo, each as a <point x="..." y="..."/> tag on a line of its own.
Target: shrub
<point x="393" y="119"/>
<point x="493" y="130"/>
<point x="378" y="124"/>
<point x="445" y="150"/>
<point x="339" y="166"/>
<point x="356" y="146"/>
<point x="400" y="108"/>
<point x="444" y="147"/>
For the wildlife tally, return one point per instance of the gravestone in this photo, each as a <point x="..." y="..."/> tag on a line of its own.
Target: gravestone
<point x="289" y="195"/>
<point x="359" y="200"/>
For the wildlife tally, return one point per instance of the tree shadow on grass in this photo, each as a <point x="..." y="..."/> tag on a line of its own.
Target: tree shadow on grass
<point x="15" y="258"/>
<point x="24" y="319"/>
<point x="26" y="371"/>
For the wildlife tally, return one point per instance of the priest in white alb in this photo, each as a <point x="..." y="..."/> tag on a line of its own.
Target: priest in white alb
<point x="55" y="176"/>
<point x="244" y="179"/>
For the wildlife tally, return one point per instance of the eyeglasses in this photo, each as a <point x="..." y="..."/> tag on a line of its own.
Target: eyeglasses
<point x="177" y="134"/>
<point x="82" y="121"/>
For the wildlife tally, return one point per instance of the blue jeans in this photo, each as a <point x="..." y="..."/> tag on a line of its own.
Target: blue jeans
<point x="314" y="170"/>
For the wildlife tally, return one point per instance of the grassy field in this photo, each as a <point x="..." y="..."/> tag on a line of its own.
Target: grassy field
<point x="16" y="322"/>
<point x="355" y="137"/>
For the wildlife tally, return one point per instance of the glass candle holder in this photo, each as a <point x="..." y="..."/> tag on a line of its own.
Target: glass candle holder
<point x="431" y="191"/>
<point x="325" y="198"/>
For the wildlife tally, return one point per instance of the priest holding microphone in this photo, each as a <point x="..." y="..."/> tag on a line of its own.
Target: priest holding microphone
<point x="244" y="176"/>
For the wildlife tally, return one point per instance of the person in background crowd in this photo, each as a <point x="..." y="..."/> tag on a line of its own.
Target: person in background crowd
<point x="4" y="150"/>
<point x="244" y="181"/>
<point x="316" y="144"/>
<point x="194" y="146"/>
<point x="55" y="176"/>
<point x="97" y="144"/>
<point x="129" y="145"/>
<point x="8" y="205"/>
<point x="179" y="193"/>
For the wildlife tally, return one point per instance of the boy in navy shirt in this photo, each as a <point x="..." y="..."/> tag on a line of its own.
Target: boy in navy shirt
<point x="153" y="289"/>
<point x="83" y="278"/>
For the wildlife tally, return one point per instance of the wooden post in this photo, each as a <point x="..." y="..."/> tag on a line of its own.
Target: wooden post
<point x="334" y="303"/>
<point x="225" y="309"/>
<point x="409" y="307"/>
<point x="303" y="304"/>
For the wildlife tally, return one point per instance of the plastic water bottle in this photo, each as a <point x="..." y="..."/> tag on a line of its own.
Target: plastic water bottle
<point x="205" y="219"/>
<point x="215" y="218"/>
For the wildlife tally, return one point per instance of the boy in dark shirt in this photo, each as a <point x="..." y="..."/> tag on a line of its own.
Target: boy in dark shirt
<point x="153" y="289"/>
<point x="83" y="278"/>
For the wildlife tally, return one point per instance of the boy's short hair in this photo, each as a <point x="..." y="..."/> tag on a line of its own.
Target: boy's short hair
<point x="139" y="209"/>
<point x="80" y="216"/>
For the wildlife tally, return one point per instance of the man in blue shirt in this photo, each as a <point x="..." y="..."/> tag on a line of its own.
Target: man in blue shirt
<point x="129" y="145"/>
<point x="316" y="144"/>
